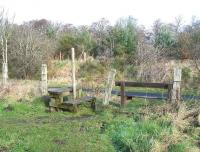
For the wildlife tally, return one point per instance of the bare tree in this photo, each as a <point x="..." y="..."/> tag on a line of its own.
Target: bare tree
<point x="5" y="33"/>
<point x="28" y="50"/>
<point x="196" y="57"/>
<point x="146" y="60"/>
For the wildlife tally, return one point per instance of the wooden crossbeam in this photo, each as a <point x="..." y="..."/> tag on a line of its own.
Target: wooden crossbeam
<point x="124" y="84"/>
<point x="143" y="84"/>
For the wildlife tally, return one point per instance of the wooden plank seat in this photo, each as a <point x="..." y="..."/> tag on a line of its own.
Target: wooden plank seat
<point x="57" y="102"/>
<point x="72" y="104"/>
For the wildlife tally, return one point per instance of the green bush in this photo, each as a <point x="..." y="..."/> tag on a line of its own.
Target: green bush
<point x="131" y="72"/>
<point x="186" y="74"/>
<point x="196" y="82"/>
<point x="91" y="69"/>
<point x="119" y="64"/>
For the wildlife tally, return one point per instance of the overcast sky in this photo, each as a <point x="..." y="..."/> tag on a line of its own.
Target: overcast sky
<point x="80" y="12"/>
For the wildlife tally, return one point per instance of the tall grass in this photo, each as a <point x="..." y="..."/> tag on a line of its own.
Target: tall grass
<point x="134" y="136"/>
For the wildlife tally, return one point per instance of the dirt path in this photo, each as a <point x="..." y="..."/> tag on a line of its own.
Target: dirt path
<point x="47" y="119"/>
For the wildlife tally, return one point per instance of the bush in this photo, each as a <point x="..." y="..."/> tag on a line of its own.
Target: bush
<point x="125" y="68"/>
<point x="119" y="64"/>
<point x="186" y="74"/>
<point x="131" y="72"/>
<point x="90" y="69"/>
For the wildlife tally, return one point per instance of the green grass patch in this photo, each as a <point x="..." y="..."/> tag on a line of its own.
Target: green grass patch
<point x="27" y="127"/>
<point x="131" y="136"/>
<point x="181" y="147"/>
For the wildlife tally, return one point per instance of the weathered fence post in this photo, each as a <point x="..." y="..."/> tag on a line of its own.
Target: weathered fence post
<point x="122" y="93"/>
<point x="108" y="89"/>
<point x="175" y="94"/>
<point x="44" y="79"/>
<point x="5" y="62"/>
<point x="73" y="74"/>
<point x="60" y="56"/>
<point x="169" y="95"/>
<point x="84" y="56"/>
<point x="4" y="73"/>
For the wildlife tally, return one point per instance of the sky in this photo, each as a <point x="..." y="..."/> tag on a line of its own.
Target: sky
<point x="84" y="12"/>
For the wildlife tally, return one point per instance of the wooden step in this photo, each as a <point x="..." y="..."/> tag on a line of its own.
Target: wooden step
<point x="79" y="101"/>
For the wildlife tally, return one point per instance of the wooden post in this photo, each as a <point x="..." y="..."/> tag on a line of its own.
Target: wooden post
<point x="169" y="95"/>
<point x="6" y="51"/>
<point x="108" y="90"/>
<point x="44" y="79"/>
<point x="73" y="74"/>
<point x="122" y="93"/>
<point x="60" y="58"/>
<point x="84" y="57"/>
<point x="176" y="87"/>
<point x="4" y="73"/>
<point x="3" y="57"/>
<point x="5" y="61"/>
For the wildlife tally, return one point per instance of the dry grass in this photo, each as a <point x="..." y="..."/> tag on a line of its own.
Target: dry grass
<point x="20" y="89"/>
<point x="178" y="118"/>
<point x="180" y="125"/>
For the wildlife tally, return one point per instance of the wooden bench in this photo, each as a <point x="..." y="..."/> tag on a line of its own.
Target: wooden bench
<point x="124" y="84"/>
<point x="57" y="102"/>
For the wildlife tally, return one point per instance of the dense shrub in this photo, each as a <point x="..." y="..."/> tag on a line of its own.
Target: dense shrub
<point x="119" y="64"/>
<point x="90" y="70"/>
<point x="186" y="74"/>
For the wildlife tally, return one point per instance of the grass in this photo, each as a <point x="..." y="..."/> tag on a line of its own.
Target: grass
<point x="180" y="147"/>
<point x="190" y="91"/>
<point x="27" y="127"/>
<point x="184" y="91"/>
<point x="59" y="136"/>
<point x="134" y="136"/>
